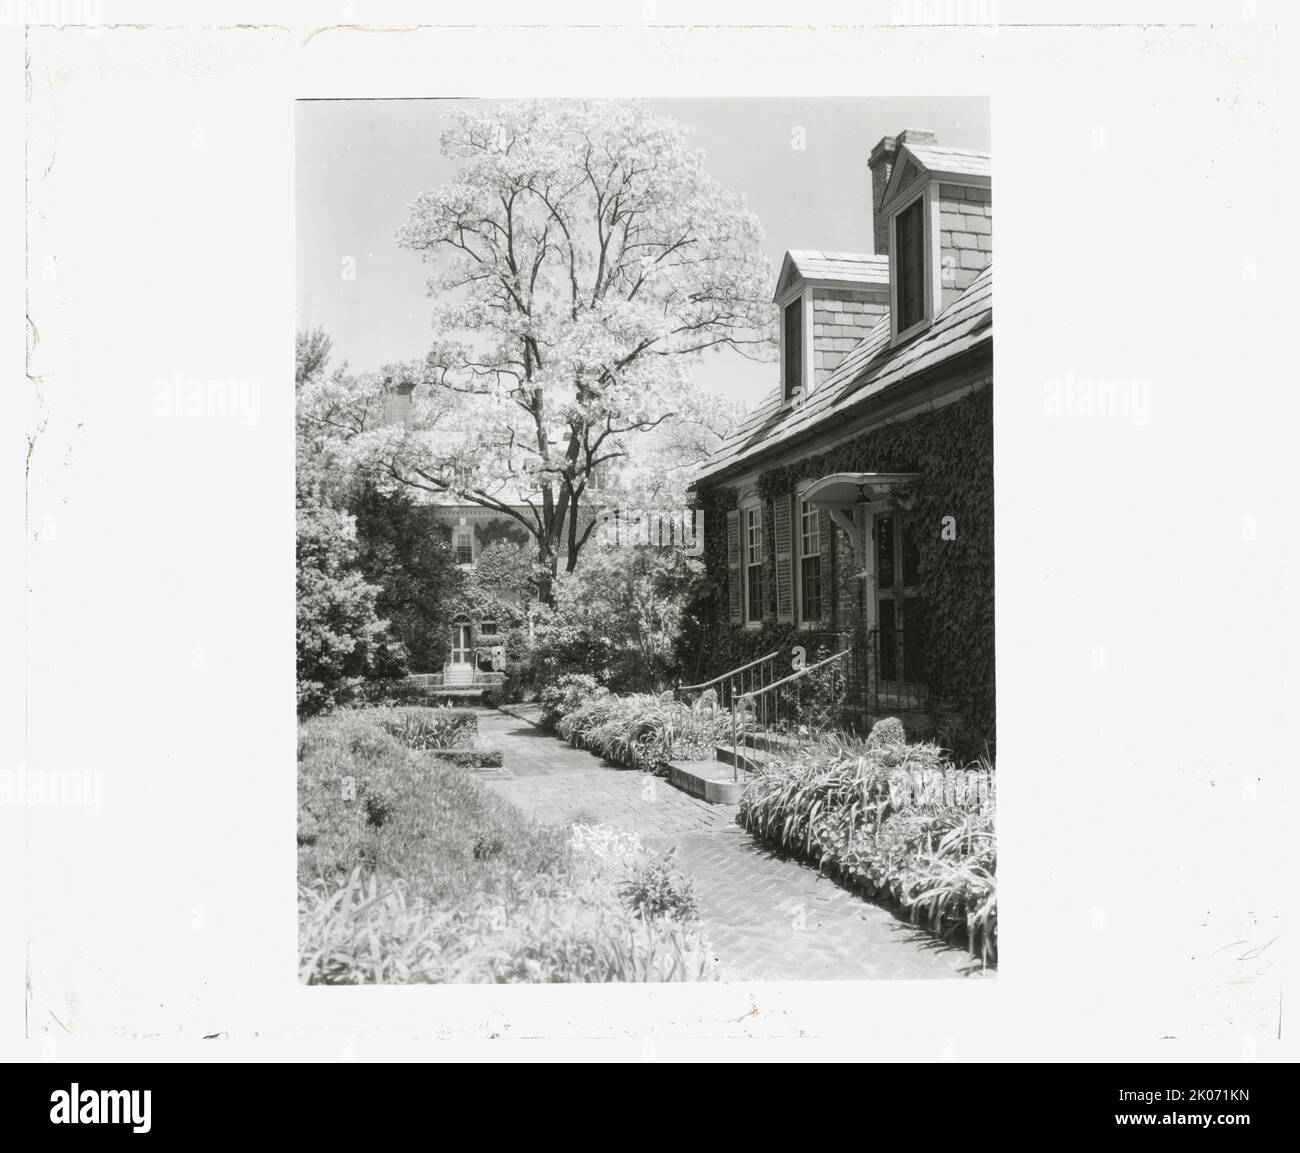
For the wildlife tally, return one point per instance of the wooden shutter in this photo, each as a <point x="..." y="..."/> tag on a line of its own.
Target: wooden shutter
<point x="733" y="567"/>
<point x="826" y="538"/>
<point x="782" y="535"/>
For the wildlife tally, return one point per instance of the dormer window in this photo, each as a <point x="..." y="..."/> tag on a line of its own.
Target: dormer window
<point x="792" y="349"/>
<point x="828" y="303"/>
<point x="933" y="207"/>
<point x="909" y="252"/>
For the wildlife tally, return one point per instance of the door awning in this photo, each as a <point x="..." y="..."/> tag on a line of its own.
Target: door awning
<point x="841" y="492"/>
<point x="845" y="489"/>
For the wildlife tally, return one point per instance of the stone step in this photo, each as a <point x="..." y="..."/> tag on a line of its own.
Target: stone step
<point x="455" y="692"/>
<point x="708" y="780"/>
<point x="745" y="758"/>
<point x="768" y="742"/>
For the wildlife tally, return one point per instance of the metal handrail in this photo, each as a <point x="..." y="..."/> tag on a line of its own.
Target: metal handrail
<point x="803" y="672"/>
<point x="753" y="694"/>
<point x="733" y="672"/>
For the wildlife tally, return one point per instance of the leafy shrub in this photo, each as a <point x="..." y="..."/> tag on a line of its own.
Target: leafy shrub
<point x="430" y="728"/>
<point x="887" y="732"/>
<point x="899" y="821"/>
<point x="340" y="638"/>
<point x="658" y="889"/>
<point x="563" y="695"/>
<point x="617" y="617"/>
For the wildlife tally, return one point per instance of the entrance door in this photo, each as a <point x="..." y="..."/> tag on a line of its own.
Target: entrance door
<point x="900" y="613"/>
<point x="461" y="653"/>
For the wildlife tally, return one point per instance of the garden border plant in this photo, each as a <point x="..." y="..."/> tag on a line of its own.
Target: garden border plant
<point x="897" y="821"/>
<point x="411" y="871"/>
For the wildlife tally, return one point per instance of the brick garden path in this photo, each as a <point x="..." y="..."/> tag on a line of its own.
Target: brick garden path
<point x="764" y="916"/>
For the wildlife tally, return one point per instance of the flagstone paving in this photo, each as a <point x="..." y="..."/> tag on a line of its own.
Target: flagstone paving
<point x="765" y="916"/>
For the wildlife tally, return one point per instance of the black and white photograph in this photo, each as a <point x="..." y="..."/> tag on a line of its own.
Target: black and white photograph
<point x="514" y="554"/>
<point x="677" y="529"/>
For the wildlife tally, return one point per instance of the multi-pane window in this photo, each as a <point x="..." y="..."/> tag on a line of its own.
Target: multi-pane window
<point x="793" y="351"/>
<point x="754" y="564"/>
<point x="909" y="252"/>
<point x="487" y="630"/>
<point x="810" y="563"/>
<point x="463" y="542"/>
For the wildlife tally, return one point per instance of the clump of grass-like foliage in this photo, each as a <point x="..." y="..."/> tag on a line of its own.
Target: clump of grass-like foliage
<point x="897" y="820"/>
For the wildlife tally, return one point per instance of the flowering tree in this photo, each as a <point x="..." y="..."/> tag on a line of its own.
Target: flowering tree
<point x="583" y="259"/>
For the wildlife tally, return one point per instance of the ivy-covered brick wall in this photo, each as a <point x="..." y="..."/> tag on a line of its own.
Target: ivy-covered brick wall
<point x="952" y="449"/>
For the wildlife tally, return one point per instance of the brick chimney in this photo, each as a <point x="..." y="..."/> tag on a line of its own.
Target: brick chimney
<point x="397" y="401"/>
<point x="881" y="163"/>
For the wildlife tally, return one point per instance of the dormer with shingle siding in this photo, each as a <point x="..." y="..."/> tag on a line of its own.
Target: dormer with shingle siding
<point x="965" y="237"/>
<point x="933" y="208"/>
<point x="829" y="302"/>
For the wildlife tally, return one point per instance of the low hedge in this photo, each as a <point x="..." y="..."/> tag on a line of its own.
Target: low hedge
<point x="473" y="758"/>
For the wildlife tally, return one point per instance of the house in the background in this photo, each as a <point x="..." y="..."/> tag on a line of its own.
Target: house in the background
<point x="472" y="652"/>
<point x="852" y="510"/>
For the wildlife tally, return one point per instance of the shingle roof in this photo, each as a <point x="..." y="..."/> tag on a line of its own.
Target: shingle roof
<point x="938" y="158"/>
<point x="809" y="264"/>
<point x="867" y="371"/>
<point x="813" y="265"/>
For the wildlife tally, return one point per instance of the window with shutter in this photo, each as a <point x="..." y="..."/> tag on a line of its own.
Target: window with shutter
<point x="826" y="530"/>
<point x="734" y="607"/>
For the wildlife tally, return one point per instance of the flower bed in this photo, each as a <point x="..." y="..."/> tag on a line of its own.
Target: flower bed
<point x="896" y="820"/>
<point x="642" y="731"/>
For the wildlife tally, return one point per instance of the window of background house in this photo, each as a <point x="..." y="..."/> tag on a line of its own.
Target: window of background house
<point x="754" y="564"/>
<point x="488" y="630"/>
<point x="909" y="247"/>
<point x="810" y="563"/>
<point x="793" y="350"/>
<point x="463" y="540"/>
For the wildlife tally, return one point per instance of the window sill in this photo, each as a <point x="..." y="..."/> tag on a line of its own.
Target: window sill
<point x="908" y="333"/>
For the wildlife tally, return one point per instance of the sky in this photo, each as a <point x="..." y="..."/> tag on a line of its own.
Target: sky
<point x="360" y="164"/>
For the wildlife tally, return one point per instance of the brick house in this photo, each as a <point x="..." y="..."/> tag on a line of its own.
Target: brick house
<point x="853" y="508"/>
<point x="470" y="654"/>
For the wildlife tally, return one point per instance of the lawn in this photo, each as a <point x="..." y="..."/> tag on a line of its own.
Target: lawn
<point x="411" y="870"/>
